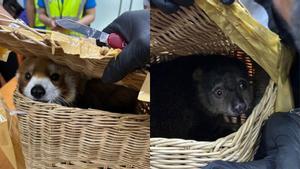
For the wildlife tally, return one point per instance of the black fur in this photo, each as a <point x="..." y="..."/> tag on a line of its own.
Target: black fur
<point x="176" y="111"/>
<point x="108" y="97"/>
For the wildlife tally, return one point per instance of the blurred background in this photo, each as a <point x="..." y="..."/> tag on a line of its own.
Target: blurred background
<point x="107" y="11"/>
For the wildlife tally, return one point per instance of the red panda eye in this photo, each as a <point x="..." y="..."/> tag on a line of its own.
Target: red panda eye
<point x="27" y="76"/>
<point x="54" y="77"/>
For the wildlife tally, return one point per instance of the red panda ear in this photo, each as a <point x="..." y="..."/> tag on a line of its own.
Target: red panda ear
<point x="197" y="75"/>
<point x="30" y="57"/>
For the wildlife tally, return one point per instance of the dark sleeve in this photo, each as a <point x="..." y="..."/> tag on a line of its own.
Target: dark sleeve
<point x="281" y="136"/>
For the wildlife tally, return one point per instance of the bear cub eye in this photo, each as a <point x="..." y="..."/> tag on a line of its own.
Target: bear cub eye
<point x="218" y="92"/>
<point x="243" y="85"/>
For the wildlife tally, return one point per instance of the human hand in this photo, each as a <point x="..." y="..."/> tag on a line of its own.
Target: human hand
<point x="280" y="140"/>
<point x="134" y="27"/>
<point x="52" y="24"/>
<point x="280" y="137"/>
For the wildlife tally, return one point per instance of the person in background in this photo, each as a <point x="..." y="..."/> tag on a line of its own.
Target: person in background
<point x="289" y="11"/>
<point x="50" y="10"/>
<point x="170" y="6"/>
<point x="146" y="4"/>
<point x="3" y="11"/>
<point x="8" y="69"/>
<point x="33" y="15"/>
<point x="23" y="14"/>
<point x="12" y="7"/>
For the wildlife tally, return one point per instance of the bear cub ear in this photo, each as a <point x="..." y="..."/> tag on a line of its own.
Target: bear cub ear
<point x="197" y="75"/>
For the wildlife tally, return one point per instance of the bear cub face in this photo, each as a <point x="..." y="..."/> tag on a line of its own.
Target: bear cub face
<point x="223" y="88"/>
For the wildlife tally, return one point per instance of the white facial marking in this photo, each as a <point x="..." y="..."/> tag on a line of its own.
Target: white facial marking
<point x="51" y="91"/>
<point x="17" y="75"/>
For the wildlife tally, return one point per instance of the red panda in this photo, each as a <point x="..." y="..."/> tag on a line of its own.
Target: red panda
<point x="43" y="80"/>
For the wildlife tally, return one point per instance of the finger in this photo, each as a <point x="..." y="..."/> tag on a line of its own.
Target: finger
<point x="53" y="23"/>
<point x="117" y="68"/>
<point x="133" y="56"/>
<point x="167" y="6"/>
<point x="116" y="25"/>
<point x="130" y="24"/>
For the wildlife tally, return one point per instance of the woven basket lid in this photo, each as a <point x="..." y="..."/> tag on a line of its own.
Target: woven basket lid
<point x="80" y="54"/>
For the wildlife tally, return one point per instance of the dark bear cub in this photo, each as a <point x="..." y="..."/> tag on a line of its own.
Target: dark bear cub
<point x="199" y="97"/>
<point x="223" y="88"/>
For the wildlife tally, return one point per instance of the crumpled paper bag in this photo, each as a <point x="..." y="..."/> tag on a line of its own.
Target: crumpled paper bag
<point x="10" y="143"/>
<point x="4" y="54"/>
<point x="261" y="44"/>
<point x="144" y="94"/>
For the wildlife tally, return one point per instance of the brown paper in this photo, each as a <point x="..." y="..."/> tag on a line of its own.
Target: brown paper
<point x="10" y="143"/>
<point x="23" y="33"/>
<point x="261" y="44"/>
<point x="86" y="48"/>
<point x="6" y="145"/>
<point x="144" y="94"/>
<point x="4" y="54"/>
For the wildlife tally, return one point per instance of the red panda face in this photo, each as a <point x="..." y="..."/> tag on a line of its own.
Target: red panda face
<point x="42" y="80"/>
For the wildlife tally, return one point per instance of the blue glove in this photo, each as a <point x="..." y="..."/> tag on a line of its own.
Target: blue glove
<point x="170" y="6"/>
<point x="279" y="147"/>
<point x="134" y="26"/>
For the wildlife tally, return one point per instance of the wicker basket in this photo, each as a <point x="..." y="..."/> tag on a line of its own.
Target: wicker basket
<point x="58" y="137"/>
<point x="209" y="27"/>
<point x="54" y="136"/>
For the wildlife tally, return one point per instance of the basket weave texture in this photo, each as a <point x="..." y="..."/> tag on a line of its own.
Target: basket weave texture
<point x="60" y="48"/>
<point x="59" y="137"/>
<point x="191" y="31"/>
<point x="239" y="146"/>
